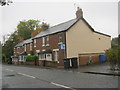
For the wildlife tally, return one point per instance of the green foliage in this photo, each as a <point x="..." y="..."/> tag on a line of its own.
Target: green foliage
<point x="25" y="28"/>
<point x="113" y="56"/>
<point x="114" y="43"/>
<point x="31" y="58"/>
<point x="32" y="52"/>
<point x="7" y="49"/>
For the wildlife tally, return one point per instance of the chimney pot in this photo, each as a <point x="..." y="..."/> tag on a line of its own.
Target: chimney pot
<point x="79" y="13"/>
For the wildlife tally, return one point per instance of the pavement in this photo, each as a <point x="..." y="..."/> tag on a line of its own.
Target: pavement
<point x="101" y="68"/>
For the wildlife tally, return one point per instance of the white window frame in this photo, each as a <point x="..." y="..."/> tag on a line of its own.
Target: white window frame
<point x="43" y="41"/>
<point x="60" y="37"/>
<point x="50" y="58"/>
<point x="41" y="56"/>
<point x="56" y="51"/>
<point x="25" y="47"/>
<point x="35" y="42"/>
<point x="30" y="46"/>
<point x="47" y="40"/>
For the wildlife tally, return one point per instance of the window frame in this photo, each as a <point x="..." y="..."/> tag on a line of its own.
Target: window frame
<point x="35" y="41"/>
<point x="60" y="38"/>
<point x="30" y="46"/>
<point x="43" y="41"/>
<point x="47" y="40"/>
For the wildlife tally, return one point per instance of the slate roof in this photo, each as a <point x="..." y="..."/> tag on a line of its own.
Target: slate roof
<point x="24" y="42"/>
<point x="57" y="28"/>
<point x="63" y="27"/>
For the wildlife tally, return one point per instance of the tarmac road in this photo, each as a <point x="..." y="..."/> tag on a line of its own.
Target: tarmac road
<point x="30" y="77"/>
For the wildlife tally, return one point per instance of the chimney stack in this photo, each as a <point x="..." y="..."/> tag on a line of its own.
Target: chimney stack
<point x="79" y="13"/>
<point x="44" y="26"/>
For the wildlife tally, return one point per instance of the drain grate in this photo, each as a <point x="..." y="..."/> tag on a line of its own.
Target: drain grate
<point x="9" y="75"/>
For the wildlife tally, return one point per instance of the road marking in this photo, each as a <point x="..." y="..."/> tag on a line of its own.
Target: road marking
<point x="9" y="70"/>
<point x="26" y="75"/>
<point x="60" y="85"/>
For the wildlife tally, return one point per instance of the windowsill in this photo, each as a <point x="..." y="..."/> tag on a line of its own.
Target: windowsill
<point x="47" y="44"/>
<point x="42" y="59"/>
<point x="43" y="45"/>
<point x="60" y="43"/>
<point x="49" y="60"/>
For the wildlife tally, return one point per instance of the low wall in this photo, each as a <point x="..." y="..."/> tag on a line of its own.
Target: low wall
<point x="30" y="63"/>
<point x="48" y="63"/>
<point x="83" y="59"/>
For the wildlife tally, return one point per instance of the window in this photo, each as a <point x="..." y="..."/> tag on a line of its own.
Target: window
<point x="60" y="37"/>
<point x="41" y="56"/>
<point x="25" y="47"/>
<point x="30" y="46"/>
<point x="56" y="54"/>
<point x="49" y="57"/>
<point x="34" y="42"/>
<point x="47" y="40"/>
<point x="43" y="41"/>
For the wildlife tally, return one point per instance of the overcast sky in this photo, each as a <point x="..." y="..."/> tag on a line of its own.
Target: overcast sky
<point x="102" y="16"/>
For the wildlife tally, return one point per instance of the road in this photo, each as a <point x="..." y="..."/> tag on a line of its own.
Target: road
<point x="31" y="77"/>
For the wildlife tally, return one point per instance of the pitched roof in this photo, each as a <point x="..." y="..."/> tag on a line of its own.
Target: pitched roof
<point x="63" y="27"/>
<point x="24" y="42"/>
<point x="57" y="28"/>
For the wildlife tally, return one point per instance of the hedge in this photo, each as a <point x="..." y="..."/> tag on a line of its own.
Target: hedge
<point x="31" y="58"/>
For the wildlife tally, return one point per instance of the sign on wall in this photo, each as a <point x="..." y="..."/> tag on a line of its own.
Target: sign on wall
<point x="63" y="46"/>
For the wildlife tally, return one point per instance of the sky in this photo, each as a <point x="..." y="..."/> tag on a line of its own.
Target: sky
<point x="102" y="16"/>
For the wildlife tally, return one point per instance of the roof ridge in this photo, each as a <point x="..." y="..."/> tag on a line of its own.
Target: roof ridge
<point x="63" y="22"/>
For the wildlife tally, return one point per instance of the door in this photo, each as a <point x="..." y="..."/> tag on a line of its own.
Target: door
<point x="55" y="55"/>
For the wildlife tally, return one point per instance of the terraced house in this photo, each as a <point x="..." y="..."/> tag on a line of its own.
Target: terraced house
<point x="72" y="39"/>
<point x="21" y="50"/>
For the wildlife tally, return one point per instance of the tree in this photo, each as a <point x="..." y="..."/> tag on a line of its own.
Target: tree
<point x="7" y="48"/>
<point x="113" y="54"/>
<point x="114" y="42"/>
<point x="25" y="28"/>
<point x="5" y="2"/>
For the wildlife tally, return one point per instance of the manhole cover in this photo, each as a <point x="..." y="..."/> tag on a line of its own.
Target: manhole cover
<point x="9" y="75"/>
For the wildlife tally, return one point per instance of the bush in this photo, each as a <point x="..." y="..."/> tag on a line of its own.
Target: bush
<point x="31" y="58"/>
<point x="113" y="56"/>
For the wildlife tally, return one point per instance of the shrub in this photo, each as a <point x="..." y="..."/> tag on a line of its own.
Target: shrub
<point x="31" y="58"/>
<point x="113" y="56"/>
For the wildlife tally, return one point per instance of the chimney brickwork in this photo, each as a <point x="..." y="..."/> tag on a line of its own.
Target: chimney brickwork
<point x="79" y="13"/>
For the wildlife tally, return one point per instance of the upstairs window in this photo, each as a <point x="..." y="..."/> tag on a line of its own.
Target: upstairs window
<point x="34" y="42"/>
<point x="47" y="40"/>
<point x="60" y="37"/>
<point x="25" y="47"/>
<point x="43" y="41"/>
<point x="30" y="46"/>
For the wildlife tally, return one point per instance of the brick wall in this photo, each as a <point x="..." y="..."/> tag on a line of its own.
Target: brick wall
<point x="28" y="48"/>
<point x="83" y="59"/>
<point x="53" y="44"/>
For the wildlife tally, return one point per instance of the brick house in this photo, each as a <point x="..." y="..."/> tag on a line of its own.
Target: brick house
<point x="68" y="40"/>
<point x="76" y="35"/>
<point x="21" y="50"/>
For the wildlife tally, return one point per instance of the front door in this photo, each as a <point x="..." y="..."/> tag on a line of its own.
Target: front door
<point x="55" y="55"/>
